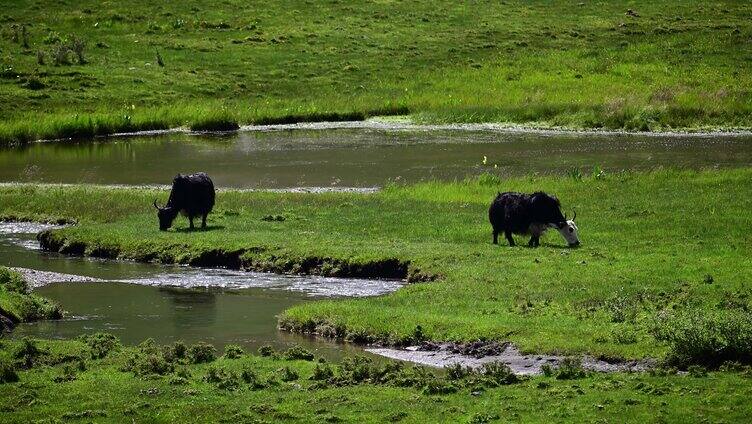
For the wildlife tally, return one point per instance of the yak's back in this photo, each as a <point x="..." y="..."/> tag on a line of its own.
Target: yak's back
<point x="193" y="193"/>
<point x="510" y="210"/>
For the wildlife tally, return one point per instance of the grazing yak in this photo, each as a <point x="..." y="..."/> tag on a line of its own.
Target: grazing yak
<point x="191" y="195"/>
<point x="518" y="213"/>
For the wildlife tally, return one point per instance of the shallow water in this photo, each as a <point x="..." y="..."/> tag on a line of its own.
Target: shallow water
<point x="358" y="157"/>
<point x="136" y="301"/>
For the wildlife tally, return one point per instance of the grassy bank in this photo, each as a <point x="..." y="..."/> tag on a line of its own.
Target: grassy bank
<point x="18" y="305"/>
<point x="55" y="380"/>
<point x="76" y="70"/>
<point x="664" y="266"/>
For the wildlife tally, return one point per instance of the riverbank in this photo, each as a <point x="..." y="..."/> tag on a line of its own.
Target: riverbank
<point x="18" y="304"/>
<point x="60" y="379"/>
<point x="643" y="270"/>
<point x="88" y="70"/>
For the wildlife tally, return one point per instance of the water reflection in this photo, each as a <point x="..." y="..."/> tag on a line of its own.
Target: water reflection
<point x="357" y="157"/>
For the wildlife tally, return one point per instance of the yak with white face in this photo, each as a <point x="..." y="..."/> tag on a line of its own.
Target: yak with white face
<point x="569" y="231"/>
<point x="519" y="213"/>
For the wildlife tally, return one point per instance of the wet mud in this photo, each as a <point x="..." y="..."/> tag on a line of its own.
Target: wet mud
<point x="475" y="355"/>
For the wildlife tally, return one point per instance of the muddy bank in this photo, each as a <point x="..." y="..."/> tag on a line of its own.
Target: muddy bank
<point x="253" y="259"/>
<point x="475" y="355"/>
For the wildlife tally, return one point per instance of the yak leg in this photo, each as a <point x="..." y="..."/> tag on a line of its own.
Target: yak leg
<point x="190" y="219"/>
<point x="508" y="235"/>
<point x="495" y="237"/>
<point x="203" y="221"/>
<point x="533" y="241"/>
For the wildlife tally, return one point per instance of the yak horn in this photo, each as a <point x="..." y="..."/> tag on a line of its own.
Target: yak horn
<point x="575" y="214"/>
<point x="155" y="204"/>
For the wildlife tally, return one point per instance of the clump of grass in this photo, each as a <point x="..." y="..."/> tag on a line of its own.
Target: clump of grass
<point x="52" y="37"/>
<point x="266" y="350"/>
<point x="222" y="378"/>
<point x="20" y="35"/>
<point x="624" y="336"/>
<point x="60" y="54"/>
<point x="498" y="374"/>
<point x="24" y="37"/>
<point x="322" y="372"/>
<point x="8" y="372"/>
<point x="298" y="353"/>
<point x="27" y="353"/>
<point x="252" y="379"/>
<point x="457" y="371"/>
<point x="233" y="352"/>
<point x="201" y="353"/>
<point x="100" y="344"/>
<point x="69" y="373"/>
<point x="160" y="61"/>
<point x="150" y="359"/>
<point x="287" y="374"/>
<point x="179" y="350"/>
<point x="569" y="369"/>
<point x="575" y="174"/>
<point x="707" y="338"/>
<point x="77" y="46"/>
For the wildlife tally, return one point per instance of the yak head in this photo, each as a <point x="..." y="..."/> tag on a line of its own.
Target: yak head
<point x="568" y="230"/>
<point x="166" y="215"/>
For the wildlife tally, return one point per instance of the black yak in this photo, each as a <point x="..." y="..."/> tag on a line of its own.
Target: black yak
<point x="519" y="213"/>
<point x="191" y="195"/>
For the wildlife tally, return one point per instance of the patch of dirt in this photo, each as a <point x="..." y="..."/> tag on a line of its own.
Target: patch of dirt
<point x="477" y="354"/>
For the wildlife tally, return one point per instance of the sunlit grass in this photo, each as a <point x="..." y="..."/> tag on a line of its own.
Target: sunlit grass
<point x="640" y="256"/>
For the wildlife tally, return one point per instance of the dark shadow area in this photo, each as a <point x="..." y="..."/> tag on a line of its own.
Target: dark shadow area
<point x="199" y="229"/>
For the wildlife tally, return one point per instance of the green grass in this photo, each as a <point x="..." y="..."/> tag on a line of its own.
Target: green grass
<point x="680" y="64"/>
<point x="655" y="245"/>
<point x="61" y="381"/>
<point x="18" y="305"/>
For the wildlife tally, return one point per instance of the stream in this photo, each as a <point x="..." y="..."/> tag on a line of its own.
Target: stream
<point x="136" y="301"/>
<point x="358" y="157"/>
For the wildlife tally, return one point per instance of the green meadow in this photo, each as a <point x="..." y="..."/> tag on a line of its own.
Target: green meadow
<point x="84" y="68"/>
<point x="94" y="379"/>
<point x="663" y="271"/>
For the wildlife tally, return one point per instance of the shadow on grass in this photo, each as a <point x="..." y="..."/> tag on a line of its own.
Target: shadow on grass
<point x="199" y="229"/>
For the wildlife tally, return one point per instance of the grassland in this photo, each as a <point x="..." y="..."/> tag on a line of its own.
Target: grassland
<point x="664" y="268"/>
<point x="86" y="68"/>
<point x="93" y="379"/>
